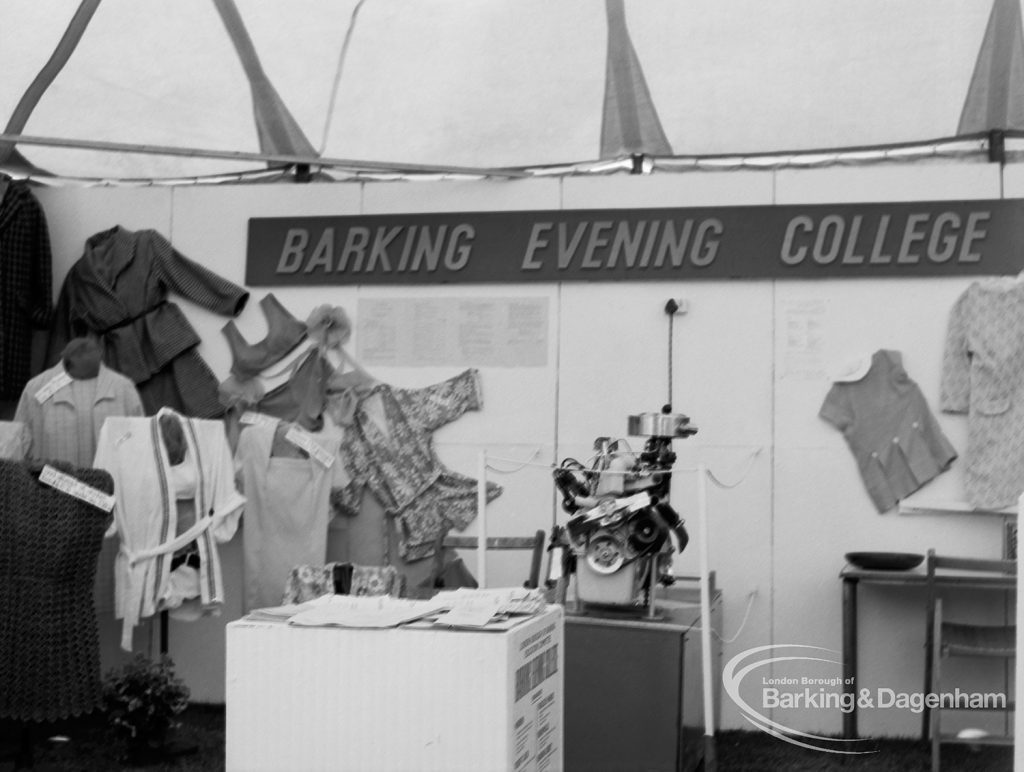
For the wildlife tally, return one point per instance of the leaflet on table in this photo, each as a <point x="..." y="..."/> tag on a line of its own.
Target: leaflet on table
<point x="469" y="612"/>
<point x="285" y="612"/>
<point x="498" y="624"/>
<point x="504" y="600"/>
<point x="365" y="611"/>
<point x="464" y="608"/>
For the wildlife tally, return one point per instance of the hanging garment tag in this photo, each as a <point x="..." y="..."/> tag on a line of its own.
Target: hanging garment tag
<point x="55" y="384"/>
<point x="73" y="487"/>
<point x="252" y="418"/>
<point x="302" y="439"/>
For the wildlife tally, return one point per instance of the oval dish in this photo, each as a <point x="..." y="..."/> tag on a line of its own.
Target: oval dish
<point x="884" y="561"/>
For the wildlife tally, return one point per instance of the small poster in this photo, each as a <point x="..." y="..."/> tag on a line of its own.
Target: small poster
<point x="462" y="332"/>
<point x="803" y="338"/>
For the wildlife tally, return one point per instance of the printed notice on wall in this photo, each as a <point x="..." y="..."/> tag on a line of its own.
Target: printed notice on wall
<point x="803" y="338"/>
<point x="423" y="332"/>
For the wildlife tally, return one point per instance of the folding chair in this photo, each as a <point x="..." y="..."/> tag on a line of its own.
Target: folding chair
<point x="946" y="638"/>
<point x="534" y="544"/>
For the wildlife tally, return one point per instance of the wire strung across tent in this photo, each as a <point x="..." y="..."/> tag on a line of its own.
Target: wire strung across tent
<point x="281" y="159"/>
<point x="284" y="167"/>
<point x="521" y="464"/>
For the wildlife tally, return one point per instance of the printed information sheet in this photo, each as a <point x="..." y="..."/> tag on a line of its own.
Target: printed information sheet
<point x="424" y="332"/>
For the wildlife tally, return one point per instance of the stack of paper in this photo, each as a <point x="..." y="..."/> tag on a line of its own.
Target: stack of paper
<point x="286" y="612"/>
<point x="477" y="608"/>
<point x="454" y="608"/>
<point x="365" y="611"/>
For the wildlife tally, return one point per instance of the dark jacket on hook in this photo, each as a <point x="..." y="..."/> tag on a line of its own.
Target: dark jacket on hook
<point x="118" y="291"/>
<point x="25" y="282"/>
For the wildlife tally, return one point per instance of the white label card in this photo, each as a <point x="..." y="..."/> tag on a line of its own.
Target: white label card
<point x="55" y="384"/>
<point x="302" y="439"/>
<point x="252" y="418"/>
<point x="74" y="487"/>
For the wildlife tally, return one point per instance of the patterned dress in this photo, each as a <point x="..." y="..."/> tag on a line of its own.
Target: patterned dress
<point x="388" y="448"/>
<point x="49" y="644"/>
<point x="983" y="376"/>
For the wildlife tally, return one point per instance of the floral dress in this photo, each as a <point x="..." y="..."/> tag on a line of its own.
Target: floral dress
<point x="388" y="449"/>
<point x="983" y="376"/>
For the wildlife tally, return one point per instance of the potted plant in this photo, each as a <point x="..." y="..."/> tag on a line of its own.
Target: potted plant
<point x="142" y="700"/>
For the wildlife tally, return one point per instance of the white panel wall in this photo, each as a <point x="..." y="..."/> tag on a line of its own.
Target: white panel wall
<point x="786" y="501"/>
<point x="514" y="429"/>
<point x="821" y="509"/>
<point x="614" y="363"/>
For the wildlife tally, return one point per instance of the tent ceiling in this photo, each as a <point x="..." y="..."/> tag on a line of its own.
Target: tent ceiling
<point x="470" y="85"/>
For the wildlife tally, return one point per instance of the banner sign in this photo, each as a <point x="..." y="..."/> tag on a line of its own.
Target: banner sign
<point x="935" y="238"/>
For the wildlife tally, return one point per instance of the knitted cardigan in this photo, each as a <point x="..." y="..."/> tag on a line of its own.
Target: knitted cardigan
<point x="49" y="642"/>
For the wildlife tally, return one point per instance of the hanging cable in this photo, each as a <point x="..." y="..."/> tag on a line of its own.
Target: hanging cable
<point x="670" y="308"/>
<point x="520" y="464"/>
<point x="743" y="623"/>
<point x="746" y="471"/>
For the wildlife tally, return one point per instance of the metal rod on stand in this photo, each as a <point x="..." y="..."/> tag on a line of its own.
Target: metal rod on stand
<point x="710" y="755"/>
<point x="481" y="520"/>
<point x="652" y="586"/>
<point x="1018" y="719"/>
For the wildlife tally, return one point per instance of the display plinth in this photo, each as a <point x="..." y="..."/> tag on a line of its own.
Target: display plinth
<point x="330" y="698"/>
<point x="633" y="690"/>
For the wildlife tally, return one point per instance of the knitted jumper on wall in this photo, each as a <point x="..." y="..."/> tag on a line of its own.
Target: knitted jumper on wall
<point x="49" y="643"/>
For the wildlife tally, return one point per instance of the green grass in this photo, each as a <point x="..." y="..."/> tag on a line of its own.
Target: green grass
<point x="91" y="749"/>
<point x="741" y="751"/>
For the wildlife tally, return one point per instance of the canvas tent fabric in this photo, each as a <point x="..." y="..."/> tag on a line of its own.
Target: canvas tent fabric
<point x="159" y="89"/>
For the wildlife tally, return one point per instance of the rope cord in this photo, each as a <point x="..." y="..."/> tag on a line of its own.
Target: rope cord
<point x="750" y="465"/>
<point x="521" y="464"/>
<point x="743" y="622"/>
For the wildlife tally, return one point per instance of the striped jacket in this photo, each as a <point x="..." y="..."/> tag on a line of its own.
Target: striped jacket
<point x="149" y="515"/>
